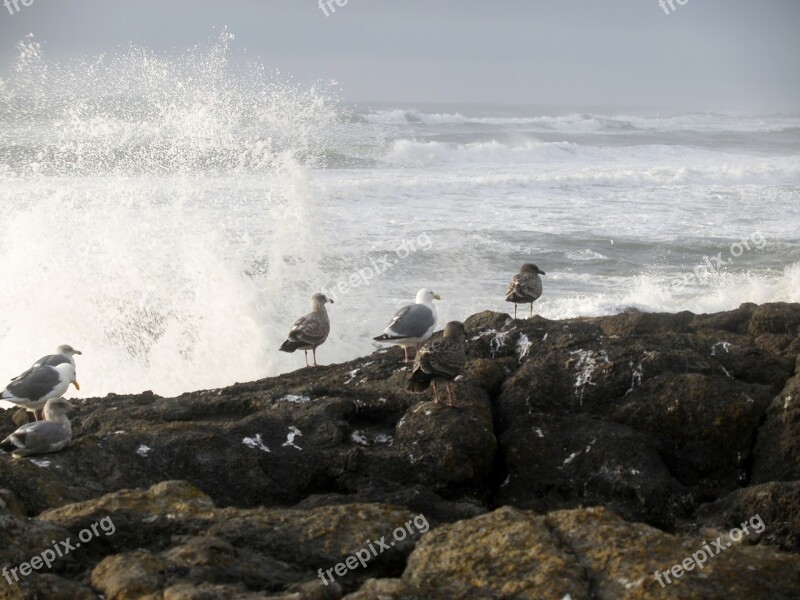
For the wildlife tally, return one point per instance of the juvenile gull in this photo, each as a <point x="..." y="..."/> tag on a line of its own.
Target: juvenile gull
<point x="310" y="331"/>
<point x="412" y="324"/>
<point x="442" y="359"/>
<point x="50" y="435"/>
<point x="37" y="385"/>
<point x="525" y="287"/>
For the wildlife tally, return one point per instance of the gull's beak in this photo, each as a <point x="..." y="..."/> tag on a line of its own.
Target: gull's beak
<point x="542" y="273"/>
<point x="77" y="352"/>
<point x="70" y="406"/>
<point x="77" y="385"/>
<point x="437" y="297"/>
<point x="330" y="300"/>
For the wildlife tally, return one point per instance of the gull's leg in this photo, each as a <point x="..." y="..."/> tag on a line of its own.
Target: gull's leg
<point x="435" y="392"/>
<point x="405" y="354"/>
<point x="530" y="315"/>
<point x="515" y="310"/>
<point x="450" y="396"/>
<point x="314" y="352"/>
<point x="306" y="353"/>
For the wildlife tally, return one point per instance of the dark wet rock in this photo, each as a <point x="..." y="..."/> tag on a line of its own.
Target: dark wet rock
<point x="47" y="587"/>
<point x="776" y="328"/>
<point x="689" y="423"/>
<point x="777" y="504"/>
<point x="562" y="461"/>
<point x="777" y="451"/>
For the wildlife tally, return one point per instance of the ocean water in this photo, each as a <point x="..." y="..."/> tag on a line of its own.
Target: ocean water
<point x="170" y="216"/>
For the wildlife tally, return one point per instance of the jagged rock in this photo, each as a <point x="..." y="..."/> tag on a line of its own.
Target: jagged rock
<point x="776" y="503"/>
<point x="776" y="328"/>
<point x="665" y="419"/>
<point x="562" y="461"/>
<point x="586" y="553"/>
<point x="777" y="451"/>
<point x="46" y="587"/>
<point x="171" y="534"/>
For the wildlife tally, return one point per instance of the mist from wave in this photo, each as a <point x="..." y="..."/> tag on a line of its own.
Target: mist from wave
<point x="157" y="214"/>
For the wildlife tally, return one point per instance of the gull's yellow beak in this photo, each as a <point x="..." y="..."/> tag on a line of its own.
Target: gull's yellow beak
<point x="77" y="385"/>
<point x="437" y="297"/>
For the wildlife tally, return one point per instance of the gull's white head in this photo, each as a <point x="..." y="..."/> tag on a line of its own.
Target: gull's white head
<point x="67" y="350"/>
<point x="56" y="407"/>
<point x="427" y="296"/>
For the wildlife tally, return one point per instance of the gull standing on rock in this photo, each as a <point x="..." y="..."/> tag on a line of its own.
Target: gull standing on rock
<point x="412" y="324"/>
<point x="50" y="435"/>
<point x="310" y="331"/>
<point x="442" y="359"/>
<point x="525" y="287"/>
<point x="37" y="385"/>
<point x="63" y="354"/>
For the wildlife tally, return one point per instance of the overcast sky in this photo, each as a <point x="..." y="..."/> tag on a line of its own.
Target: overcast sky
<point x="706" y="55"/>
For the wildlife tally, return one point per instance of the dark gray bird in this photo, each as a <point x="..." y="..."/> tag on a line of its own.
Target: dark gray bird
<point x="37" y="385"/>
<point x="310" y="331"/>
<point x="50" y="435"/>
<point x="412" y="324"/>
<point x="63" y="354"/>
<point x="440" y="360"/>
<point x="525" y="287"/>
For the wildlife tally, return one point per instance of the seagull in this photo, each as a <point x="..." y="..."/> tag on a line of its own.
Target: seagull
<point x="525" y="287"/>
<point x="310" y="331"/>
<point x="50" y="435"/>
<point x="37" y="385"/>
<point x="441" y="359"/>
<point x="412" y="324"/>
<point x="63" y="354"/>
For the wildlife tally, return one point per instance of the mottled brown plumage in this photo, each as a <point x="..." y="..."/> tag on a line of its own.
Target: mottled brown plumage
<point x="525" y="287"/>
<point x="310" y="331"/>
<point x="440" y="360"/>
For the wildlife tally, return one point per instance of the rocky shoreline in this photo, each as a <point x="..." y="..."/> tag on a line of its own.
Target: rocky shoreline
<point x="586" y="455"/>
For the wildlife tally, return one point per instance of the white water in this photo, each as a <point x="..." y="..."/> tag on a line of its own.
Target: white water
<point x="170" y="216"/>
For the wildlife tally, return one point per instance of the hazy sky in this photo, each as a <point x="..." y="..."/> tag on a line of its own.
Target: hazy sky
<point x="706" y="55"/>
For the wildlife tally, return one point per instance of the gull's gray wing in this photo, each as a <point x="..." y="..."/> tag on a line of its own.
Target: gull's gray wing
<point x="51" y="360"/>
<point x="410" y="322"/>
<point x="34" y="384"/>
<point x="37" y="438"/>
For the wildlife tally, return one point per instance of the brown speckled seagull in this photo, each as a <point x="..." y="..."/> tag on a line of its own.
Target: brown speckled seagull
<point x="525" y="287"/>
<point x="310" y="331"/>
<point x="440" y="360"/>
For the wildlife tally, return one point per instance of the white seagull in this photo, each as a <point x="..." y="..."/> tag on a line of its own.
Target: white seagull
<point x="37" y="385"/>
<point x="412" y="324"/>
